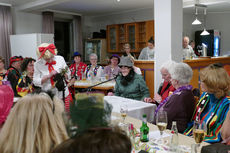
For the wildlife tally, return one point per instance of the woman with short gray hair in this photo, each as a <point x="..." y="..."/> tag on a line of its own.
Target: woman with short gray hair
<point x="181" y="72"/>
<point x="93" y="69"/>
<point x="180" y="105"/>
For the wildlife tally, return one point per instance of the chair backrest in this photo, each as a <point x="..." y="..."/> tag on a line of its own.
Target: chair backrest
<point x="196" y="93"/>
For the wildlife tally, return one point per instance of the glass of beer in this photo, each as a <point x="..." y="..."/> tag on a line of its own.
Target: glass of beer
<point x="123" y="111"/>
<point x="83" y="77"/>
<point x="199" y="129"/>
<point x="161" y="122"/>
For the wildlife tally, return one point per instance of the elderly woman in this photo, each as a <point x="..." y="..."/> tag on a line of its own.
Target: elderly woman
<point x="49" y="65"/>
<point x="214" y="103"/>
<point x="93" y="70"/>
<point x="35" y="125"/>
<point x="180" y="105"/>
<point x="2" y="68"/>
<point x="148" y="52"/>
<point x="166" y="88"/>
<point x="113" y="69"/>
<point x="25" y="83"/>
<point x="129" y="84"/>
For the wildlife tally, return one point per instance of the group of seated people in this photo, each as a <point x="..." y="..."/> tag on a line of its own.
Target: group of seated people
<point x="37" y="124"/>
<point x="175" y="96"/>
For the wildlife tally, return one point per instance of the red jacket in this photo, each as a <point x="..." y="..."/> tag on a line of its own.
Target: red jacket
<point x="80" y="70"/>
<point x="165" y="89"/>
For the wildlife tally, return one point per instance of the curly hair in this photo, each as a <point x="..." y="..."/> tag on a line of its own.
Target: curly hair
<point x="181" y="72"/>
<point x="47" y="54"/>
<point x="25" y="63"/>
<point x="216" y="79"/>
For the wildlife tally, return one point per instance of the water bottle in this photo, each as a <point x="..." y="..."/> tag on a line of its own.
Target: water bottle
<point x="174" y="138"/>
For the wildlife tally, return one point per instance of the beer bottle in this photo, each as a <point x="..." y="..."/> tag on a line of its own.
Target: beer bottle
<point x="144" y="130"/>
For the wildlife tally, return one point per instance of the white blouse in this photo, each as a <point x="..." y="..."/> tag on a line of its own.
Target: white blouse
<point x="41" y="69"/>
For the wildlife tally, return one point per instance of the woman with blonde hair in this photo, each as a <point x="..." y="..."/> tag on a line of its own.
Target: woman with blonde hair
<point x="214" y="103"/>
<point x="35" y="125"/>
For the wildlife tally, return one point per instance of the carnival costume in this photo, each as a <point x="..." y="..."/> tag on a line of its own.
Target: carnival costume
<point x="213" y="112"/>
<point x="43" y="68"/>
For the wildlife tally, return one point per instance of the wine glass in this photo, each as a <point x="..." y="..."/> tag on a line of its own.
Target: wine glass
<point x="123" y="111"/>
<point x="199" y="129"/>
<point x="161" y="121"/>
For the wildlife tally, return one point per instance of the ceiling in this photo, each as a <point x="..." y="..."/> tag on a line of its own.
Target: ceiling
<point x="102" y="7"/>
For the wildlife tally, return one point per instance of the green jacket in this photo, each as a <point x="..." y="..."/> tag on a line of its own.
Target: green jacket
<point x="136" y="88"/>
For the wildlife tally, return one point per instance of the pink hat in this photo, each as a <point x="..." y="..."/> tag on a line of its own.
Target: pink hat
<point x="6" y="102"/>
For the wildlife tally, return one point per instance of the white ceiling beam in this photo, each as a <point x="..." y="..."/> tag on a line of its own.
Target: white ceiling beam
<point x="39" y="4"/>
<point x="63" y="12"/>
<point x="191" y="3"/>
<point x="5" y="4"/>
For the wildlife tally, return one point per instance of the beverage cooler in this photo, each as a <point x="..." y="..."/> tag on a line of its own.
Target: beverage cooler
<point x="212" y="42"/>
<point x="97" y="46"/>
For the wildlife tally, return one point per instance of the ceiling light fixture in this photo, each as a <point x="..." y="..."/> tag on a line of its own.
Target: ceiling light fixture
<point x="196" y="21"/>
<point x="205" y="32"/>
<point x="118" y="0"/>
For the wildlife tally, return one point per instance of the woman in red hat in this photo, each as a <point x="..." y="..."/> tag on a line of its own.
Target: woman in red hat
<point x="47" y="68"/>
<point x="13" y="72"/>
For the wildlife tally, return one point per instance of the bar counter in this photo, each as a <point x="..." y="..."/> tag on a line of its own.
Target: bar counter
<point x="147" y="68"/>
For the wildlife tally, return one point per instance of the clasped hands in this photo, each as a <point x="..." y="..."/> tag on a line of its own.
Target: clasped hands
<point x="157" y="99"/>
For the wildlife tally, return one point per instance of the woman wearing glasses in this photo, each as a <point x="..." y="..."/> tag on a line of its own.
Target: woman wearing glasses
<point x="180" y="104"/>
<point x="93" y="70"/>
<point x="127" y="49"/>
<point x="214" y="103"/>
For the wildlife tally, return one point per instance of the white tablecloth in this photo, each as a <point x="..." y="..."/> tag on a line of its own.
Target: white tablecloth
<point x="135" y="108"/>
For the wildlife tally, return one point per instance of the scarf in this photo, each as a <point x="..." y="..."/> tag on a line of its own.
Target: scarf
<point x="179" y="90"/>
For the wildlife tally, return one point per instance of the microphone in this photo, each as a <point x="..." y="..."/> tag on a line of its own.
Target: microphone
<point x="115" y="76"/>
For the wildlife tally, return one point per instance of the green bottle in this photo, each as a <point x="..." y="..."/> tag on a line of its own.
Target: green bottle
<point x="144" y="130"/>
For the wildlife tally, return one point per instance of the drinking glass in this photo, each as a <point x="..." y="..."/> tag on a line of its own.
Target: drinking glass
<point x="123" y="111"/>
<point x="199" y="130"/>
<point x="161" y="121"/>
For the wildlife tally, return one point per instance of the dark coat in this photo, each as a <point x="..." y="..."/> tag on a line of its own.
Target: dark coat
<point x="180" y="108"/>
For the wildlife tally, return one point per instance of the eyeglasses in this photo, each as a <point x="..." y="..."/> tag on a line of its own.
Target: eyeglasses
<point x="126" y="48"/>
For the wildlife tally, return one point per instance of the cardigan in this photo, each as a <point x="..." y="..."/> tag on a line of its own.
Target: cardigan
<point x="213" y="112"/>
